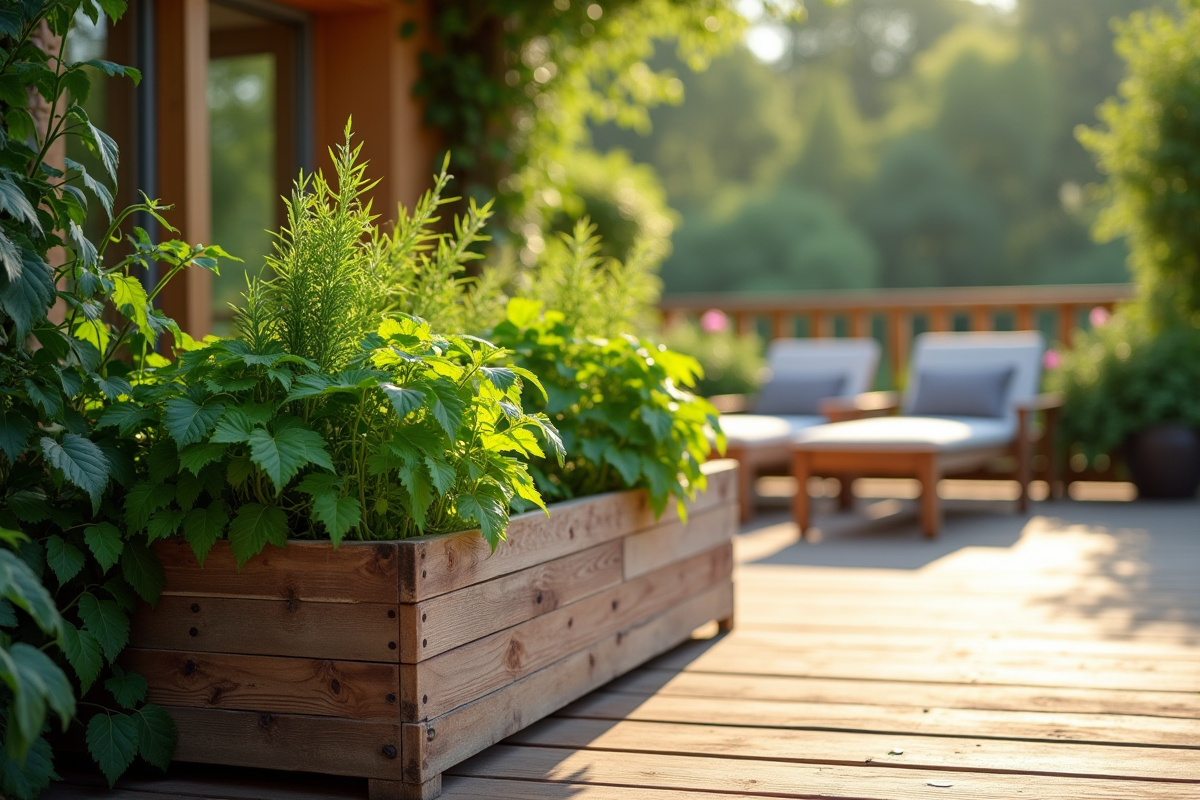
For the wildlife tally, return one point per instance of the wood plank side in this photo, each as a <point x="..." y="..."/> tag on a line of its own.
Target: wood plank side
<point x="355" y="572"/>
<point x="350" y="689"/>
<point x="292" y="742"/>
<point x="433" y="687"/>
<point x="774" y="779"/>
<point x="672" y="541"/>
<point x="850" y="749"/>
<point x="436" y="565"/>
<point x="441" y="623"/>
<point x="434" y="746"/>
<point x="297" y="628"/>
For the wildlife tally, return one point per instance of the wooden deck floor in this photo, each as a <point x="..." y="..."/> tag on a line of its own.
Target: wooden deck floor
<point x="1055" y="656"/>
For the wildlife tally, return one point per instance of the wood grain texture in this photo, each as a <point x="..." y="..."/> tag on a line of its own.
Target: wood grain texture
<point x="350" y="689"/>
<point x="774" y="779"/>
<point x="436" y="565"/>
<point x="441" y="623"/>
<point x="440" y="684"/>
<point x="853" y="749"/>
<point x="663" y="544"/>
<point x="433" y="746"/>
<point x="297" y="628"/>
<point x="355" y="572"/>
<point x="292" y="742"/>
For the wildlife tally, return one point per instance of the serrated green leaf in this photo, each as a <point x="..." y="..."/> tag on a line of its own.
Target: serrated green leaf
<point x="202" y="527"/>
<point x="35" y="684"/>
<point x="195" y="457"/>
<point x="104" y="540"/>
<point x="112" y="740"/>
<point x="441" y="473"/>
<point x="234" y="427"/>
<point x="143" y="500"/>
<point x="486" y="509"/>
<point x="127" y="688"/>
<point x="404" y="400"/>
<point x="416" y="480"/>
<point x="81" y="462"/>
<point x="156" y="735"/>
<point x="83" y="654"/>
<point x="163" y="524"/>
<point x="129" y="297"/>
<point x="446" y="405"/>
<point x="113" y="387"/>
<point x="107" y="622"/>
<point x="143" y="570"/>
<point x="125" y="417"/>
<point x="15" y="431"/>
<point x="282" y="455"/>
<point x="187" y="421"/>
<point x="20" y="584"/>
<point x="28" y="296"/>
<point x="627" y="462"/>
<point x="8" y="614"/>
<point x="339" y="514"/>
<point x="254" y="527"/>
<point x="64" y="558"/>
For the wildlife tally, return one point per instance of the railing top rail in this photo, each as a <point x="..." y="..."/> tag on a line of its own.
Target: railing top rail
<point x="884" y="299"/>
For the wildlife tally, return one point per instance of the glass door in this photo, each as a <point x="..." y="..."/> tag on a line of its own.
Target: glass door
<point x="254" y="75"/>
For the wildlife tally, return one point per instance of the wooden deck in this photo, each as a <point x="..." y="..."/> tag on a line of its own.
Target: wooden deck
<point x="1054" y="656"/>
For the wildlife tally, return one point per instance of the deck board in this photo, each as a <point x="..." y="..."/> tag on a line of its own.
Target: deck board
<point x="1055" y="656"/>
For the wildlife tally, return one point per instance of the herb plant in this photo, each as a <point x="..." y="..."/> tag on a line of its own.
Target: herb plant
<point x="77" y="332"/>
<point x="323" y="417"/>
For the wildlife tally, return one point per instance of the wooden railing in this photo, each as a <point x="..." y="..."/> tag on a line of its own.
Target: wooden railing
<point x="894" y="316"/>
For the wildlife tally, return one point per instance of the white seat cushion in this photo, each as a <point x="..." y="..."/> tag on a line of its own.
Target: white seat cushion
<point x="759" y="429"/>
<point x="946" y="434"/>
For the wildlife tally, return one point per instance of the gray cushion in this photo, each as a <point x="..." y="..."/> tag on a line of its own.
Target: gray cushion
<point x="963" y="393"/>
<point x="797" y="395"/>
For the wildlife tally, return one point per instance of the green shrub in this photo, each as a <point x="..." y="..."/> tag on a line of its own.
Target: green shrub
<point x="732" y="363"/>
<point x="70" y="574"/>
<point x="321" y="418"/>
<point x="1122" y="377"/>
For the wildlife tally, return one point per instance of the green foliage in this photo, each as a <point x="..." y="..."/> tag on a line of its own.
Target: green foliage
<point x="1124" y="376"/>
<point x="311" y="424"/>
<point x="731" y="363"/>
<point x="70" y="384"/>
<point x="1149" y="147"/>
<point x="789" y="239"/>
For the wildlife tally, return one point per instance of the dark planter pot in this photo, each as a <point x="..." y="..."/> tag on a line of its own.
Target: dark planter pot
<point x="1165" y="461"/>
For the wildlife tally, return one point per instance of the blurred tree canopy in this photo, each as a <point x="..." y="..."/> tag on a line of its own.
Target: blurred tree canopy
<point x="910" y="142"/>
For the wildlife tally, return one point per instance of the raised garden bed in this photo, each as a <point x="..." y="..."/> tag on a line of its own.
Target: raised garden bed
<point x="393" y="661"/>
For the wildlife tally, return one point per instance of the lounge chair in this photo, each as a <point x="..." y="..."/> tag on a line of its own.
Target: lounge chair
<point x="970" y="399"/>
<point x="810" y="379"/>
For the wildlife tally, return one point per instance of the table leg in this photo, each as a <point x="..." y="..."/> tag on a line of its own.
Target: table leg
<point x="800" y="502"/>
<point x="931" y="507"/>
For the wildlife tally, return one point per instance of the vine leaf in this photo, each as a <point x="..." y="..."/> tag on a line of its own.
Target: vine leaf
<point x="254" y="527"/>
<point x="81" y="462"/>
<point x="142" y="569"/>
<point x="202" y="527"/>
<point x="112" y="739"/>
<point x="35" y="683"/>
<point x="107" y="622"/>
<point x="143" y="500"/>
<point x="21" y="585"/>
<point x="83" y="654"/>
<point x="15" y="431"/>
<point x="156" y="736"/>
<point x="196" y="457"/>
<point x="105" y="542"/>
<point x="339" y="514"/>
<point x="187" y="421"/>
<point x="283" y="454"/>
<point x="127" y="688"/>
<point x="63" y="558"/>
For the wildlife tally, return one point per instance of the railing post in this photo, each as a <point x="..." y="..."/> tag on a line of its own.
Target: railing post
<point x="982" y="319"/>
<point x="744" y="322"/>
<point x="896" y="320"/>
<point x="939" y="319"/>
<point x="860" y="323"/>
<point x="779" y="325"/>
<point x="1066" y="323"/>
<point x="816" y="325"/>
<point x="1024" y="318"/>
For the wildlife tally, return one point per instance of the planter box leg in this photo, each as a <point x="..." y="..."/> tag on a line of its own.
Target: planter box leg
<point x="725" y="625"/>
<point x="395" y="790"/>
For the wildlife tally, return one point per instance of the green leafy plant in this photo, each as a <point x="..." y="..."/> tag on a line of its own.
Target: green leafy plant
<point x="733" y="363"/>
<point x="1122" y="377"/>
<point x="77" y="334"/>
<point x="323" y="418"/>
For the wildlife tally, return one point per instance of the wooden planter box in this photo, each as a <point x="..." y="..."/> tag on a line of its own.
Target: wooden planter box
<point x="394" y="661"/>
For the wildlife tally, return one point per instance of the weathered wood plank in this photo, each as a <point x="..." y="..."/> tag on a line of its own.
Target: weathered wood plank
<point x="650" y="680"/>
<point x="292" y="742"/>
<point x="774" y="779"/>
<point x="672" y="541"/>
<point x="350" y="689"/>
<point x="436" y="565"/>
<point x="461" y="788"/>
<point x="298" y="628"/>
<point x="433" y="687"/>
<point x="852" y="749"/>
<point x="932" y="721"/>
<point x="432" y="747"/>
<point x="356" y="572"/>
<point x="441" y="623"/>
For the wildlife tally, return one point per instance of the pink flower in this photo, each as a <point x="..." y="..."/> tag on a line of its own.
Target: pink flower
<point x="713" y="321"/>
<point x="1052" y="360"/>
<point x="1099" y="316"/>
